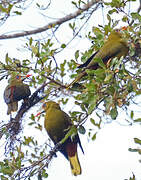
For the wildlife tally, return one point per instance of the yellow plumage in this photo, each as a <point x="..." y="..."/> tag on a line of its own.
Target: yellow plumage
<point x="57" y="124"/>
<point x="115" y="46"/>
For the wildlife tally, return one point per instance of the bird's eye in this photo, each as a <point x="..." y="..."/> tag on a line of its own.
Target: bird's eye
<point x="17" y="77"/>
<point x="44" y="105"/>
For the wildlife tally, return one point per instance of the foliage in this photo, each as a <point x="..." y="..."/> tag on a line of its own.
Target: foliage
<point x="132" y="178"/>
<point x="138" y="150"/>
<point x="105" y="91"/>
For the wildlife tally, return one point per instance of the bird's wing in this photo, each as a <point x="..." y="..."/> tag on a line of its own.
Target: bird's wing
<point x="106" y="52"/>
<point x="88" y="61"/>
<point x="7" y="95"/>
<point x="21" y="92"/>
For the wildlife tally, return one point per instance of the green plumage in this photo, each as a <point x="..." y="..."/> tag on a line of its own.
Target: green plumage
<point x="57" y="124"/>
<point x="115" y="46"/>
<point x="14" y="92"/>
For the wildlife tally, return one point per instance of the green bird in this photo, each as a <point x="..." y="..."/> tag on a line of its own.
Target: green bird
<point x="57" y="124"/>
<point x="15" y="91"/>
<point x="115" y="46"/>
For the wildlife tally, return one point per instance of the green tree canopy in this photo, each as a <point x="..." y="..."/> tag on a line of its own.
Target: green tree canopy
<point x="104" y="92"/>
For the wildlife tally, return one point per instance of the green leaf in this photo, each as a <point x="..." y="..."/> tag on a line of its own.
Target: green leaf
<point x="137" y="120"/>
<point x="94" y="123"/>
<point x="92" y="104"/>
<point x="136" y="16"/>
<point x="108" y="78"/>
<point x="133" y="178"/>
<point x="35" y="50"/>
<point x="133" y="150"/>
<point x="100" y="62"/>
<point x="138" y="141"/>
<point x="17" y="13"/>
<point x="7" y="59"/>
<point x="27" y="140"/>
<point x="3" y="177"/>
<point x="72" y="26"/>
<point x="94" y="136"/>
<point x="109" y="17"/>
<point x="72" y="132"/>
<point x="98" y="72"/>
<point x="112" y="11"/>
<point x="30" y="41"/>
<point x="74" y="3"/>
<point x="38" y="5"/>
<point x="63" y="46"/>
<point x="44" y="174"/>
<point x="125" y="19"/>
<point x="132" y="114"/>
<point x="7" y="170"/>
<point x="114" y="113"/>
<point x="82" y="130"/>
<point x="76" y="54"/>
<point x="62" y="68"/>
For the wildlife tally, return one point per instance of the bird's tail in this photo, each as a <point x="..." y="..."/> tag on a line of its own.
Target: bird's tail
<point x="76" y="79"/>
<point x="12" y="107"/>
<point x="73" y="158"/>
<point x="75" y="165"/>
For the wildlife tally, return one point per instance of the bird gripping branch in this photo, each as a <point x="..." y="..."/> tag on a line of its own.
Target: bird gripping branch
<point x="57" y="124"/>
<point x="115" y="46"/>
<point x="16" y="91"/>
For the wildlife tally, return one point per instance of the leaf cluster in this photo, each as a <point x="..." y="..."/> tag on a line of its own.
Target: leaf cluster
<point x="102" y="94"/>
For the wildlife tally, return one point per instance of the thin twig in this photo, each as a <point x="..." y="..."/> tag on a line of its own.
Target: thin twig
<point x="52" y="24"/>
<point x="139" y="9"/>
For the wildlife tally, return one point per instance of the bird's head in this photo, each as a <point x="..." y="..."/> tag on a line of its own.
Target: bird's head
<point x="48" y="105"/>
<point x="117" y="33"/>
<point x="18" y="78"/>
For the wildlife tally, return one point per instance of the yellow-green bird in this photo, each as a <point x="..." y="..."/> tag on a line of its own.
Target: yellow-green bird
<point x="57" y="124"/>
<point x="115" y="46"/>
<point x="15" y="91"/>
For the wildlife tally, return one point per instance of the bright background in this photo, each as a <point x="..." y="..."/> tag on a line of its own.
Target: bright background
<point x="106" y="158"/>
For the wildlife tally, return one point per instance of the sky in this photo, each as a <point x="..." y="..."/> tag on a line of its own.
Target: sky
<point x="105" y="158"/>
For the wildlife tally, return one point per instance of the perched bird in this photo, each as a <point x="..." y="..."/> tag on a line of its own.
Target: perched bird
<point x="57" y="124"/>
<point x="15" y="91"/>
<point x="115" y="46"/>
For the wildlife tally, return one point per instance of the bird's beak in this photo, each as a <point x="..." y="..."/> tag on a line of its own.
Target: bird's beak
<point x="25" y="77"/>
<point x="41" y="110"/>
<point x="121" y="29"/>
<point x="124" y="28"/>
<point x="39" y="113"/>
<point x="28" y="75"/>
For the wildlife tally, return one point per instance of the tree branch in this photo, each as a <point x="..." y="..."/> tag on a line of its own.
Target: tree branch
<point x="37" y="166"/>
<point x="14" y="125"/>
<point x="52" y="24"/>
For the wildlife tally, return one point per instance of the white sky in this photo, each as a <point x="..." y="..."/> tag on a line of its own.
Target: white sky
<point x="106" y="158"/>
